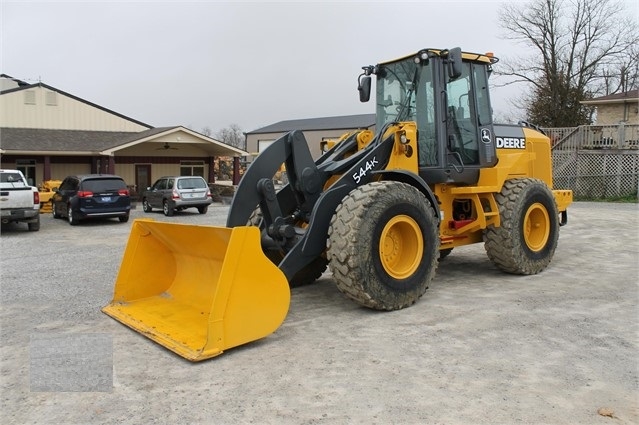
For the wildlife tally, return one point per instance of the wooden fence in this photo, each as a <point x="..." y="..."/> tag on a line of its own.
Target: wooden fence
<point x="595" y="161"/>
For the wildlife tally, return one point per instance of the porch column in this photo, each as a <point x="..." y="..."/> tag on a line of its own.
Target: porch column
<point x="46" y="172"/>
<point x="111" y="166"/>
<point x="211" y="169"/>
<point x="236" y="170"/>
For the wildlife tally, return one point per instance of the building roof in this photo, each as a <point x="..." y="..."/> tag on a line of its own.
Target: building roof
<point x="625" y="97"/>
<point x="85" y="142"/>
<point x="325" y="123"/>
<point x="21" y="85"/>
<point x="45" y="140"/>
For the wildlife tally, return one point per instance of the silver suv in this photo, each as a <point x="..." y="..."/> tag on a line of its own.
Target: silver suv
<point x="175" y="193"/>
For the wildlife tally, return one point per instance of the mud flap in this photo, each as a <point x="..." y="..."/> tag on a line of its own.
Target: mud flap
<point x="198" y="290"/>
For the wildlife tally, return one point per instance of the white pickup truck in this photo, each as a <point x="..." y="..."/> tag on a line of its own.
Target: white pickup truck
<point x="19" y="202"/>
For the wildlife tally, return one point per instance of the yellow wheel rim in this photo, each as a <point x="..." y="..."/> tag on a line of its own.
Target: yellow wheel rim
<point x="401" y="247"/>
<point x="536" y="227"/>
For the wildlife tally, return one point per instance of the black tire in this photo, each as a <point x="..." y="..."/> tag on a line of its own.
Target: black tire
<point x="123" y="218"/>
<point x="203" y="210"/>
<point x="73" y="219"/>
<point x="308" y="274"/>
<point x="384" y="245"/>
<point x="167" y="208"/>
<point x="146" y="207"/>
<point x="34" y="227"/>
<point x="53" y="211"/>
<point x="443" y="253"/>
<point x="526" y="240"/>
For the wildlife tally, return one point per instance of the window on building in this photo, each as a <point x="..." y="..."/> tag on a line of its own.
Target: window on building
<point x="192" y="168"/>
<point x="51" y="98"/>
<point x="28" y="168"/>
<point x="263" y="144"/>
<point x="29" y="97"/>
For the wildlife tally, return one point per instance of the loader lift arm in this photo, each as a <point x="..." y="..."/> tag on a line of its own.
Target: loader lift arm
<point x="296" y="219"/>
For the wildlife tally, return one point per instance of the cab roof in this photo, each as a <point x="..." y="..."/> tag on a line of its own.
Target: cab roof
<point x="474" y="57"/>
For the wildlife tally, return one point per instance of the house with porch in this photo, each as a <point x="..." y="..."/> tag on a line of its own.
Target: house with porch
<point x="48" y="134"/>
<point x="600" y="160"/>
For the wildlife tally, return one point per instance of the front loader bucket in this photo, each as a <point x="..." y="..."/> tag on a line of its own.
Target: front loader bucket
<point x="198" y="290"/>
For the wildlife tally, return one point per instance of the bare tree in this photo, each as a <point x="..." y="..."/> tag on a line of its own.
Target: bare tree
<point x="622" y="76"/>
<point x="581" y="50"/>
<point x="206" y="131"/>
<point x="232" y="135"/>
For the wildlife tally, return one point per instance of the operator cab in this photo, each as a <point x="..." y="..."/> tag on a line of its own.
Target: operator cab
<point x="445" y="92"/>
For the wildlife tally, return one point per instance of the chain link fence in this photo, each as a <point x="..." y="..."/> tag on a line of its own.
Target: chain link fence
<point x="596" y="162"/>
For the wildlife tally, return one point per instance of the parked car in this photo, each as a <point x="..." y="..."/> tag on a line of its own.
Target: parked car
<point x="19" y="201"/>
<point x="91" y="196"/>
<point x="176" y="193"/>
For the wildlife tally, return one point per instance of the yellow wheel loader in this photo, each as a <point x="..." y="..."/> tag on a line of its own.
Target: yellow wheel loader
<point x="379" y="209"/>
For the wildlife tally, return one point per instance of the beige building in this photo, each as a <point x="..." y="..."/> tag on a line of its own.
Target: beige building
<point x="49" y="134"/>
<point x="615" y="109"/>
<point x="316" y="131"/>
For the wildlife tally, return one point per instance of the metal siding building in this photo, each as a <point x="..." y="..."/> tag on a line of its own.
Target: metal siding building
<point x="315" y="131"/>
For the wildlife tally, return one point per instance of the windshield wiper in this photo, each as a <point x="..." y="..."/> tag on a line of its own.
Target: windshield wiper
<point x="405" y="110"/>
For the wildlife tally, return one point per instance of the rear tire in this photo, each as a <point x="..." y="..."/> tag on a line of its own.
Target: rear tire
<point x="73" y="219"/>
<point x="123" y="218"/>
<point x="526" y="240"/>
<point x="146" y="207"/>
<point x="34" y="227"/>
<point x="203" y="210"/>
<point x="167" y="209"/>
<point x="443" y="253"/>
<point x="384" y="245"/>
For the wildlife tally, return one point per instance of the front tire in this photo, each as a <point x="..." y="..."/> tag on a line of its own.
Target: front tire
<point x="526" y="240"/>
<point x="53" y="210"/>
<point x="384" y="245"/>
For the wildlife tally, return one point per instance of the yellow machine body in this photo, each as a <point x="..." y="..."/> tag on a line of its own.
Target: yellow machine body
<point x="479" y="200"/>
<point x="198" y="290"/>
<point x="46" y="193"/>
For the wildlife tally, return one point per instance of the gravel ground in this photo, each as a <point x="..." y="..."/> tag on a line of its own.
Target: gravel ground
<point x="481" y="347"/>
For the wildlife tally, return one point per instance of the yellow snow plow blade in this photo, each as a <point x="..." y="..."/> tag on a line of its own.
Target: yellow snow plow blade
<point x="198" y="290"/>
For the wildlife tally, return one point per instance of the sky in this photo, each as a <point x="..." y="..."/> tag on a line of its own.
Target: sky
<point x="210" y="64"/>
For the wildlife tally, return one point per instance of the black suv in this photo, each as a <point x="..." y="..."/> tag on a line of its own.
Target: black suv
<point x="91" y="196"/>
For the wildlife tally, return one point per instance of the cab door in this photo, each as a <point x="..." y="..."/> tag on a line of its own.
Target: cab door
<point x="469" y="127"/>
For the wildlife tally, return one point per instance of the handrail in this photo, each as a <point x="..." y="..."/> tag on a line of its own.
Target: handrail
<point x="594" y="137"/>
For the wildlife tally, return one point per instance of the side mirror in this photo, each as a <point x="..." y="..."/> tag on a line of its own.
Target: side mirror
<point x="455" y="63"/>
<point x="364" y="88"/>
